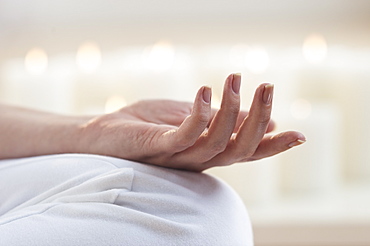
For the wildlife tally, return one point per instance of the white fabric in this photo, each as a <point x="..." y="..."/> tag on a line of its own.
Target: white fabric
<point x="76" y="199"/>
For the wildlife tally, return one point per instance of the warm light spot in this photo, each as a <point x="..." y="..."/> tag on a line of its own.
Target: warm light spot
<point x="88" y="57"/>
<point x="36" y="61"/>
<point x="114" y="103"/>
<point x="257" y="60"/>
<point x="215" y="102"/>
<point x="160" y="57"/>
<point x="301" y="109"/>
<point x="315" y="48"/>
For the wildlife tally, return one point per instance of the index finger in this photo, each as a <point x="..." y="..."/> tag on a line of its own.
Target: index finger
<point x="193" y="126"/>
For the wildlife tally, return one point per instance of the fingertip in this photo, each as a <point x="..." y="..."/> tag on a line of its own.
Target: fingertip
<point x="233" y="81"/>
<point x="263" y="98"/>
<point x="230" y="77"/>
<point x="301" y="136"/>
<point x="296" y="143"/>
<point x="300" y="139"/>
<point x="236" y="82"/>
<point x="206" y="94"/>
<point x="290" y="138"/>
<point x="202" y="106"/>
<point x="268" y="90"/>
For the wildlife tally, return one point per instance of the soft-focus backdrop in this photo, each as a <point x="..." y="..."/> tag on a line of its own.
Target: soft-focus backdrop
<point x="91" y="56"/>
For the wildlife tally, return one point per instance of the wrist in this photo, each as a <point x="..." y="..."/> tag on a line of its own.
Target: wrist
<point x="64" y="134"/>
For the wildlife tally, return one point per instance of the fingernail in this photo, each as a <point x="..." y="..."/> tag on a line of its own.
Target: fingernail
<point x="296" y="143"/>
<point x="207" y="94"/>
<point x="267" y="94"/>
<point x="236" y="82"/>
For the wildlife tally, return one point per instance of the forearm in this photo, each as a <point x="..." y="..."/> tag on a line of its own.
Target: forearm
<point x="165" y="133"/>
<point x="26" y="132"/>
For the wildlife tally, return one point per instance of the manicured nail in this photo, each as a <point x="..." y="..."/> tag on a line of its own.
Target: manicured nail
<point x="296" y="143"/>
<point x="267" y="94"/>
<point x="207" y="94"/>
<point x="236" y="82"/>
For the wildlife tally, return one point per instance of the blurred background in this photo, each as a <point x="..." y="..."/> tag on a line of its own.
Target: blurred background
<point x="91" y="56"/>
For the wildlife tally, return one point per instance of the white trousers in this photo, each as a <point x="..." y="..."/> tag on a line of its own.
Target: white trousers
<point x="75" y="199"/>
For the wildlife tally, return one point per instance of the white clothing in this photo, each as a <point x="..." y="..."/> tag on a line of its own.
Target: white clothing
<point x="78" y="199"/>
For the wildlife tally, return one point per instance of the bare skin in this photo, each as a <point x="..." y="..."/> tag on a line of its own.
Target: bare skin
<point x="189" y="136"/>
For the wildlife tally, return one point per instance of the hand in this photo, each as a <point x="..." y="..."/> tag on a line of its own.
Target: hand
<point x="190" y="136"/>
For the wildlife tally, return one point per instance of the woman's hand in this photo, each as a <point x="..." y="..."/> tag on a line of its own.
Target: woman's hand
<point x="190" y="136"/>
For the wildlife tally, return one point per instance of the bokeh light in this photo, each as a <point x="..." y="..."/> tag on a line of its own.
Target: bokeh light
<point x="36" y="61"/>
<point x="160" y="57"/>
<point x="114" y="103"/>
<point x="257" y="60"/>
<point x="216" y="101"/>
<point x="88" y="57"/>
<point x="315" y="48"/>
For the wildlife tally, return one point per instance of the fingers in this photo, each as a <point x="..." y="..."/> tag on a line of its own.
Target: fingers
<point x="232" y="136"/>
<point x="250" y="132"/>
<point x="223" y="123"/>
<point x="243" y="114"/>
<point x="272" y="145"/>
<point x="255" y="125"/>
<point x="217" y="137"/>
<point x="193" y="126"/>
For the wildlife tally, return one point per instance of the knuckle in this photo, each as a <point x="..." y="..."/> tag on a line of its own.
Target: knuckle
<point x="241" y="152"/>
<point x="205" y="157"/>
<point x="264" y="119"/>
<point x="218" y="147"/>
<point x="209" y="153"/>
<point x="231" y="109"/>
<point x="248" y="154"/>
<point x="178" y="142"/>
<point x="203" y="117"/>
<point x="244" y="153"/>
<point x="234" y="109"/>
<point x="182" y="143"/>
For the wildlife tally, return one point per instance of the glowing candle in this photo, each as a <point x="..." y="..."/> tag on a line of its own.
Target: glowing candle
<point x="88" y="57"/>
